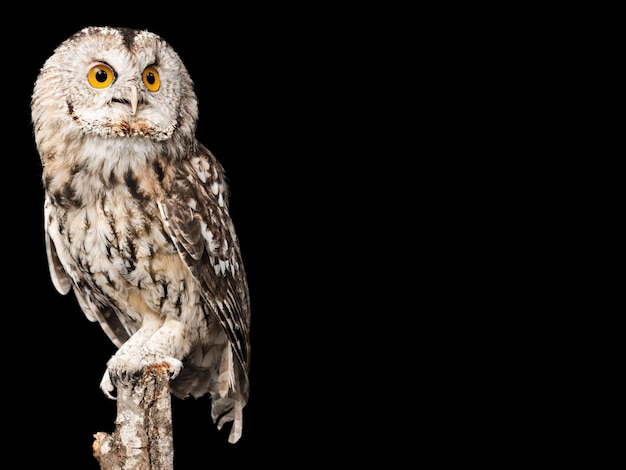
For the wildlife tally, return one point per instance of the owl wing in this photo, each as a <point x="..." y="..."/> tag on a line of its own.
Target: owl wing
<point x="195" y="214"/>
<point x="63" y="283"/>
<point x="60" y="279"/>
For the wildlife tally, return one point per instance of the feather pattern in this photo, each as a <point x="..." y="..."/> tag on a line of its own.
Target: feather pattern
<point x="205" y="238"/>
<point x="214" y="258"/>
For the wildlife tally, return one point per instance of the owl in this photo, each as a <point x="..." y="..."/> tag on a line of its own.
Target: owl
<point x="136" y="216"/>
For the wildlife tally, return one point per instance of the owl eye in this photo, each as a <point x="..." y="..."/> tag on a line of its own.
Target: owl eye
<point x="151" y="79"/>
<point x="100" y="76"/>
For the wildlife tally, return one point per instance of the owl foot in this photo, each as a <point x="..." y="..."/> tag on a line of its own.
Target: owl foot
<point x="153" y="344"/>
<point x="123" y="373"/>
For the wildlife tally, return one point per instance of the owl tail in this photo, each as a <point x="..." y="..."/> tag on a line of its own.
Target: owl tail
<point x="228" y="401"/>
<point x="225" y="410"/>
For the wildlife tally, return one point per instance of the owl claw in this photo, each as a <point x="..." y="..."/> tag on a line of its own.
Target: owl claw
<point x="175" y="366"/>
<point x="107" y="385"/>
<point x="113" y="376"/>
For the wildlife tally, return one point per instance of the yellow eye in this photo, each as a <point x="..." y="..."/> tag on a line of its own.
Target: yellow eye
<point x="100" y="76"/>
<point x="151" y="79"/>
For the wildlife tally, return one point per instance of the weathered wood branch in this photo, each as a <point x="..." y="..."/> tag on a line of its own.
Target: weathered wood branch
<point x="142" y="439"/>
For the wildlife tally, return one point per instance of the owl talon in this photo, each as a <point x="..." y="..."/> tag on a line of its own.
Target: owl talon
<point x="106" y="385"/>
<point x="113" y="376"/>
<point x="175" y="367"/>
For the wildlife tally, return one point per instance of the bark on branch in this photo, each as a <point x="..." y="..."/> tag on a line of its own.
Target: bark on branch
<point x="142" y="439"/>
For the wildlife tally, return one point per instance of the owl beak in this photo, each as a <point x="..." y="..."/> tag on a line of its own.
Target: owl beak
<point x="133" y="101"/>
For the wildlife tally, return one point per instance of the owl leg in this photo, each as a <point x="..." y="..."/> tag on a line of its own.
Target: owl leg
<point x="167" y="344"/>
<point x="156" y="342"/>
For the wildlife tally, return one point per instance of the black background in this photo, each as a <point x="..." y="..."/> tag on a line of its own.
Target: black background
<point x="282" y="98"/>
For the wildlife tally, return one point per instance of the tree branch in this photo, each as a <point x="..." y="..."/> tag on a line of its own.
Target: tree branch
<point x="142" y="439"/>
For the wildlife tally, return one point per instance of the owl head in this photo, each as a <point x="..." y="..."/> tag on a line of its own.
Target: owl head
<point x="113" y="83"/>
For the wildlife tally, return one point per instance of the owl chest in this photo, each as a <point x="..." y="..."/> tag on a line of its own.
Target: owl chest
<point x="117" y="242"/>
